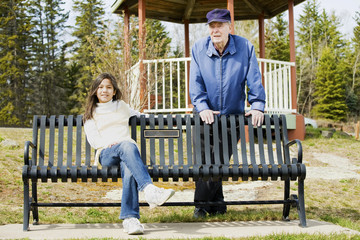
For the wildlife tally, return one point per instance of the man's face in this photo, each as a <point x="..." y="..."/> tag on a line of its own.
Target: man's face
<point x="219" y="32"/>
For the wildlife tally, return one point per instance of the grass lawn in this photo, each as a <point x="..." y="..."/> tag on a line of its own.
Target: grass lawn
<point x="335" y="201"/>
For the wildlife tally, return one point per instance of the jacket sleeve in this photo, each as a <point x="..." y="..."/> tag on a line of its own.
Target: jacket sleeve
<point x="197" y="90"/>
<point x="256" y="93"/>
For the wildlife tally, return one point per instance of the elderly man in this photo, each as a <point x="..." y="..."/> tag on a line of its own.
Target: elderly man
<point x="221" y="64"/>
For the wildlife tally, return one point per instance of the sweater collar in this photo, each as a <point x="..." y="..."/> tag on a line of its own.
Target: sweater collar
<point x="104" y="107"/>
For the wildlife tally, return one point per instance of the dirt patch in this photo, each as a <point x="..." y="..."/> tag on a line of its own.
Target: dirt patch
<point x="336" y="167"/>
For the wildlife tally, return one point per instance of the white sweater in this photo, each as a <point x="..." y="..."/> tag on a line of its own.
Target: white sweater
<point x="110" y="124"/>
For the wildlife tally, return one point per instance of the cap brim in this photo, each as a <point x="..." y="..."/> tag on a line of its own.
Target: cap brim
<point x="217" y="20"/>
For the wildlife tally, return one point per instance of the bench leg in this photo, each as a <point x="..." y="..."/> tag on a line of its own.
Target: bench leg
<point x="301" y="203"/>
<point x="286" y="208"/>
<point x="26" y="216"/>
<point x="35" y="208"/>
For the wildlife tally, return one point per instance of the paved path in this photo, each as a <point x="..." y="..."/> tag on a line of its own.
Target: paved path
<point x="170" y="230"/>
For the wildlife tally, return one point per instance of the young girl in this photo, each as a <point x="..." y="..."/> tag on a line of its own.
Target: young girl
<point x="106" y="124"/>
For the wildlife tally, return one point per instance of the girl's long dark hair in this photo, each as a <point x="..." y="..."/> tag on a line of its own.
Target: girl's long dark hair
<point x="92" y="99"/>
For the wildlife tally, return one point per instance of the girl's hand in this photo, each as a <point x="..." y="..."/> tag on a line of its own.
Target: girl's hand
<point x="112" y="144"/>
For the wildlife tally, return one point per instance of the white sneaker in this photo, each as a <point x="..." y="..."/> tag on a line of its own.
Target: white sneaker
<point x="156" y="196"/>
<point x="132" y="226"/>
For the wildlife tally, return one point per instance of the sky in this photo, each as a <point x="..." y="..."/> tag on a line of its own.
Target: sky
<point x="344" y="9"/>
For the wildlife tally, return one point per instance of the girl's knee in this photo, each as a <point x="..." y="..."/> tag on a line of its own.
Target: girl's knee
<point x="128" y="146"/>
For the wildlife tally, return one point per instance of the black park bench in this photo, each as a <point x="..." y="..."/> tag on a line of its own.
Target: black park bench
<point x="59" y="151"/>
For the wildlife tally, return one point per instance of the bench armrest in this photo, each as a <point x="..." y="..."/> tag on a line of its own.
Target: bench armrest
<point x="28" y="144"/>
<point x="299" y="146"/>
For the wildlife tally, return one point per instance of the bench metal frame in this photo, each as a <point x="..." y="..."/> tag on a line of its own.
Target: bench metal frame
<point x="167" y="149"/>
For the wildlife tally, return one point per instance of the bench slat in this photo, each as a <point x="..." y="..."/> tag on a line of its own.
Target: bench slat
<point x="70" y="119"/>
<point x="251" y="142"/>
<point x="51" y="141"/>
<point x="269" y="139"/>
<point x="261" y="144"/>
<point x="243" y="140"/>
<point x="61" y="120"/>
<point x="42" y="140"/>
<point x="152" y="142"/>
<point x="171" y="141"/>
<point x="225" y="140"/>
<point x="234" y="139"/>
<point x="189" y="143"/>
<point x="216" y="141"/>
<point x="285" y="140"/>
<point x="206" y="147"/>
<point x="278" y="140"/>
<point x="87" y="153"/>
<point x="79" y="140"/>
<point x="197" y="143"/>
<point x="142" y="139"/>
<point x="161" y="142"/>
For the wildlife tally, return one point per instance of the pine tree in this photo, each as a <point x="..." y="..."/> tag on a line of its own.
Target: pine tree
<point x="157" y="40"/>
<point x="48" y="72"/>
<point x="89" y="25"/>
<point x="329" y="88"/>
<point x="330" y="34"/>
<point x="277" y="39"/>
<point x="15" y="27"/>
<point x="308" y="44"/>
<point x="317" y="32"/>
<point x="353" y="70"/>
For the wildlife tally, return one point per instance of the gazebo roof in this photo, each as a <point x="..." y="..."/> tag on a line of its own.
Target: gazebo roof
<point x="195" y="10"/>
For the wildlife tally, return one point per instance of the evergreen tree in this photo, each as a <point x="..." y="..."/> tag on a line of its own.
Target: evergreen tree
<point x="89" y="25"/>
<point x="48" y="66"/>
<point x="353" y="69"/>
<point x="15" y="27"/>
<point x="330" y="88"/>
<point x="308" y="44"/>
<point x="330" y="34"/>
<point x="317" y="32"/>
<point x="157" y="40"/>
<point x="277" y="39"/>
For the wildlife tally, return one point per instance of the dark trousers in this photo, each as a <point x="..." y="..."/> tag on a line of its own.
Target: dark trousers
<point x="211" y="190"/>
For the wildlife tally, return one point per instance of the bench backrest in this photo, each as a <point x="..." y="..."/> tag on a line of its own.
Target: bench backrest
<point x="171" y="151"/>
<point x="167" y="147"/>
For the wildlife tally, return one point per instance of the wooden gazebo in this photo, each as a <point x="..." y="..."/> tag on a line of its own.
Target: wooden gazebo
<point x="194" y="11"/>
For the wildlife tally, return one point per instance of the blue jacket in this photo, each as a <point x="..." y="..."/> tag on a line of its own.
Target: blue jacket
<point x="218" y="83"/>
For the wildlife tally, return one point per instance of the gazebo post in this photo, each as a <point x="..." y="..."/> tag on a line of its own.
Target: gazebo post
<point x="142" y="54"/>
<point x="127" y="38"/>
<point x="299" y="132"/>
<point x="187" y="54"/>
<point x="230" y="7"/>
<point x="262" y="43"/>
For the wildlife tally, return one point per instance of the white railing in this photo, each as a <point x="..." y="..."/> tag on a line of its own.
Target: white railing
<point x="277" y="83"/>
<point x="167" y="88"/>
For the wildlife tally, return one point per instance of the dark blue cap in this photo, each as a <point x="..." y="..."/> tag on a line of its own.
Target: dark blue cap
<point x="218" y="15"/>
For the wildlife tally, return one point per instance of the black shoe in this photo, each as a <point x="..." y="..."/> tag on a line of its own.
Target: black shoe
<point x="199" y="213"/>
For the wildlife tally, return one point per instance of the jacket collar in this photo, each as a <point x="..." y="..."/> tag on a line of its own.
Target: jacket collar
<point x="230" y="48"/>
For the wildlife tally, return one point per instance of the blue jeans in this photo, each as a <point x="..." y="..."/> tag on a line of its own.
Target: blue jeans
<point x="134" y="174"/>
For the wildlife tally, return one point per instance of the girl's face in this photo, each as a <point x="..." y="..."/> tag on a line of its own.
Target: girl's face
<point x="105" y="91"/>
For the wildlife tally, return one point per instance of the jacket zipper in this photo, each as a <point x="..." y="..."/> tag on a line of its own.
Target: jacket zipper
<point x="221" y="78"/>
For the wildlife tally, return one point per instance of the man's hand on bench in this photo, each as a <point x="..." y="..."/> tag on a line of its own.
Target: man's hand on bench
<point x="257" y="117"/>
<point x="208" y="115"/>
